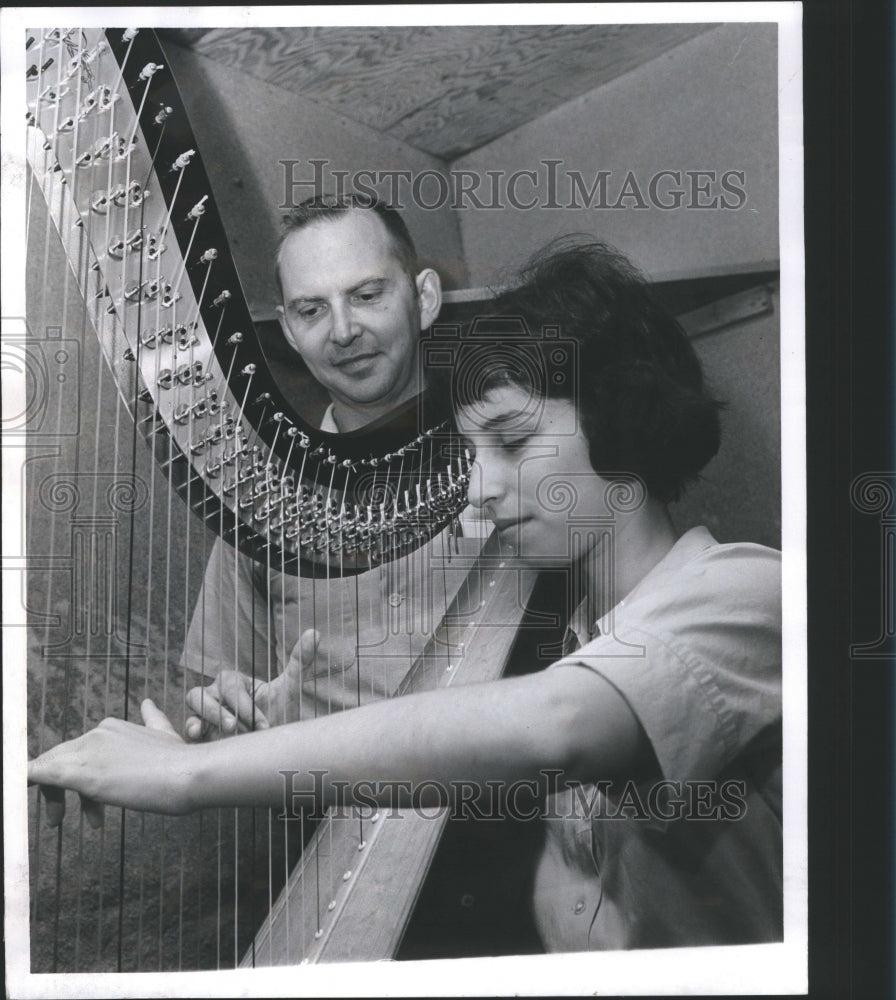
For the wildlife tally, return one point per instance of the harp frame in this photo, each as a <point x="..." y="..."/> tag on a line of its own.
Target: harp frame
<point x="163" y="373"/>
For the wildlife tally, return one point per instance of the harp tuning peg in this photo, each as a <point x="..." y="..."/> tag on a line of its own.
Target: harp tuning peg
<point x="183" y="160"/>
<point x="198" y="209"/>
<point x="150" y="70"/>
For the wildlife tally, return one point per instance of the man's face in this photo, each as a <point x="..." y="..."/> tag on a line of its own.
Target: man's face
<point x="354" y="314"/>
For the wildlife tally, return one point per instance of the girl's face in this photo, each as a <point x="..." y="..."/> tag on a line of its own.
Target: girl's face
<point x="532" y="475"/>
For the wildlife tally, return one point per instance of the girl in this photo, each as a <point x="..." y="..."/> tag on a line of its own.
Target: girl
<point x="656" y="744"/>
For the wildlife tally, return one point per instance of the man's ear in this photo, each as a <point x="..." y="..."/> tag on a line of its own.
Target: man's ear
<point x="284" y="326"/>
<point x="429" y="296"/>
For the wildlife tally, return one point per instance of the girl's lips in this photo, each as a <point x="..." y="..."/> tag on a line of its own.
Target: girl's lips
<point x="508" y="524"/>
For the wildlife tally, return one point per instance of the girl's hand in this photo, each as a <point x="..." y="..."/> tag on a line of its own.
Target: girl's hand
<point x="118" y="763"/>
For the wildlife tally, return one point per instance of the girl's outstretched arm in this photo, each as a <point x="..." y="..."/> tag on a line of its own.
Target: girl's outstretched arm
<point x="567" y="719"/>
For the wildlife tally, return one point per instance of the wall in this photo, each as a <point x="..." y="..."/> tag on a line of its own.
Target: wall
<point x="708" y="104"/>
<point x="739" y="494"/>
<point x="245" y="127"/>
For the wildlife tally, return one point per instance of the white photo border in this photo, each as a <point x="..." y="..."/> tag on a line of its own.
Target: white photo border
<point x="760" y="969"/>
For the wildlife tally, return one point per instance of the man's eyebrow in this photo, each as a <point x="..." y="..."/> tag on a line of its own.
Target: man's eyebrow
<point x="364" y="283"/>
<point x="368" y="281"/>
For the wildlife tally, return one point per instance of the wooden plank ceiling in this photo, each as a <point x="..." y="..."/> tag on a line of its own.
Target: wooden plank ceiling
<point x="445" y="90"/>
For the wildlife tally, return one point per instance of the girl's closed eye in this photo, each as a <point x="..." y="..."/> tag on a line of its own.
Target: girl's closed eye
<point x="514" y="444"/>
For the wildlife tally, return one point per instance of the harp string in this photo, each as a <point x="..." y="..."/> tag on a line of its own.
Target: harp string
<point x="144" y="343"/>
<point x="148" y="615"/>
<point x="41" y="66"/>
<point x="50" y="596"/>
<point x="99" y="599"/>
<point x="84" y="604"/>
<point x="196" y="213"/>
<point x="141" y="346"/>
<point x="68" y="678"/>
<point x="151" y="312"/>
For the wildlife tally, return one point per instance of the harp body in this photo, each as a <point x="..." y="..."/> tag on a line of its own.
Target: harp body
<point x="129" y="275"/>
<point x="376" y="865"/>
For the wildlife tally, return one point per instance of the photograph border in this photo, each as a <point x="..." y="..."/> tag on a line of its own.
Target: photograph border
<point x="774" y="968"/>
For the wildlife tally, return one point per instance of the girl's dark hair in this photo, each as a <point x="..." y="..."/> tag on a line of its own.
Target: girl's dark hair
<point x="636" y="380"/>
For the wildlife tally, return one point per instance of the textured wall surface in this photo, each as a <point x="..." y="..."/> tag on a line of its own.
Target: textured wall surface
<point x="709" y="104"/>
<point x="739" y="495"/>
<point x="443" y="88"/>
<point x="245" y="127"/>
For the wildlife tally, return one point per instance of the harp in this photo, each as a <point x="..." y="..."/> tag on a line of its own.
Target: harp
<point x="129" y="274"/>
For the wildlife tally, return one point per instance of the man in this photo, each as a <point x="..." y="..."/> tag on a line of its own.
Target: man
<point x="354" y="302"/>
<point x="285" y="648"/>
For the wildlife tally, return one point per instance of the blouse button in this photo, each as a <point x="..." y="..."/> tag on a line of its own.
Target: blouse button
<point x="395" y="600"/>
<point x="580" y="905"/>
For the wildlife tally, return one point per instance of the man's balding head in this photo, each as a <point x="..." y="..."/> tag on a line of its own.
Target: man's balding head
<point x="326" y="207"/>
<point x="353" y="305"/>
